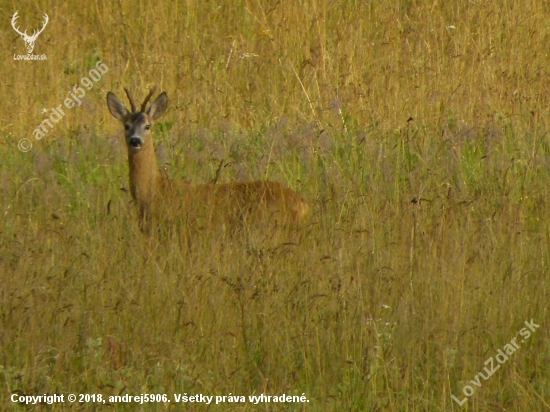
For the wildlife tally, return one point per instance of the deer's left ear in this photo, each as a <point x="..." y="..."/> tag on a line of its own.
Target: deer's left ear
<point x="158" y="107"/>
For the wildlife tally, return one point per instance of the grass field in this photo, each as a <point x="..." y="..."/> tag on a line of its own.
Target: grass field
<point x="418" y="133"/>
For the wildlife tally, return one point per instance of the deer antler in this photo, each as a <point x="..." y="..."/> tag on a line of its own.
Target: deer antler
<point x="36" y="33"/>
<point x="13" y="21"/>
<point x="24" y="34"/>
<point x="131" y="100"/>
<point x="147" y="98"/>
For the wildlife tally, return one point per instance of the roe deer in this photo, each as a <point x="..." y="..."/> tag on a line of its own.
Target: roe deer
<point x="157" y="196"/>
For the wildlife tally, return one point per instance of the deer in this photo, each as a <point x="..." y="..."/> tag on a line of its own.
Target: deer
<point x="159" y="198"/>
<point x="29" y="40"/>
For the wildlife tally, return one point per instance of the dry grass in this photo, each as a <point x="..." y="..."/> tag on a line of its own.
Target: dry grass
<point x="429" y="242"/>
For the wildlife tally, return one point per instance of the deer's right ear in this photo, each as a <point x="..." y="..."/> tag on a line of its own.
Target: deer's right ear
<point x="116" y="107"/>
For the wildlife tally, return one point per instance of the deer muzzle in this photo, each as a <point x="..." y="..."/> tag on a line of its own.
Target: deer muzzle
<point x="135" y="142"/>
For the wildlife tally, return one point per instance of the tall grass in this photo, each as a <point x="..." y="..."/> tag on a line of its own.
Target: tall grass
<point x="418" y="133"/>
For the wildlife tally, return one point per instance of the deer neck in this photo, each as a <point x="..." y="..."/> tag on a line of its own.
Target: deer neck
<point x="144" y="175"/>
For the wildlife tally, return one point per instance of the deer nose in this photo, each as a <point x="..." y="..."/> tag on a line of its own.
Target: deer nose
<point x="135" y="142"/>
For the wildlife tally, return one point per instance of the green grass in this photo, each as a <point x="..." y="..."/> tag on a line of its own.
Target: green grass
<point x="417" y="132"/>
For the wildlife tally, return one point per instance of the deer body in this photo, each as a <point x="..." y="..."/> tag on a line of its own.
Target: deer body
<point x="159" y="198"/>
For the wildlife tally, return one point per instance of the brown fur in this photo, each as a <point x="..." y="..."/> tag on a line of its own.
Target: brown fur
<point x="159" y="198"/>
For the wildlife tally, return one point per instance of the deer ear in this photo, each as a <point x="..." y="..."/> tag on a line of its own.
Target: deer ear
<point x="158" y="107"/>
<point x="116" y="107"/>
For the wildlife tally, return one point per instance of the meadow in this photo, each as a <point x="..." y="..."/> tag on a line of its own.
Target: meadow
<point x="418" y="133"/>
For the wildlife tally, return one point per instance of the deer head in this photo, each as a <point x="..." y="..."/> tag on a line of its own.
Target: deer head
<point x="137" y="124"/>
<point x="29" y="40"/>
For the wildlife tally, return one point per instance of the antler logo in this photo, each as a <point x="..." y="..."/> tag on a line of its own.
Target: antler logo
<point x="29" y="40"/>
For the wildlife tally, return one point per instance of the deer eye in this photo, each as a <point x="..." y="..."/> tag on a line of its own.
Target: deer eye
<point x="126" y="126"/>
<point x="147" y="126"/>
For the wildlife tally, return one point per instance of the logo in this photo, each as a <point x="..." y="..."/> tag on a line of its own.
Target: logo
<point x="29" y="40"/>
